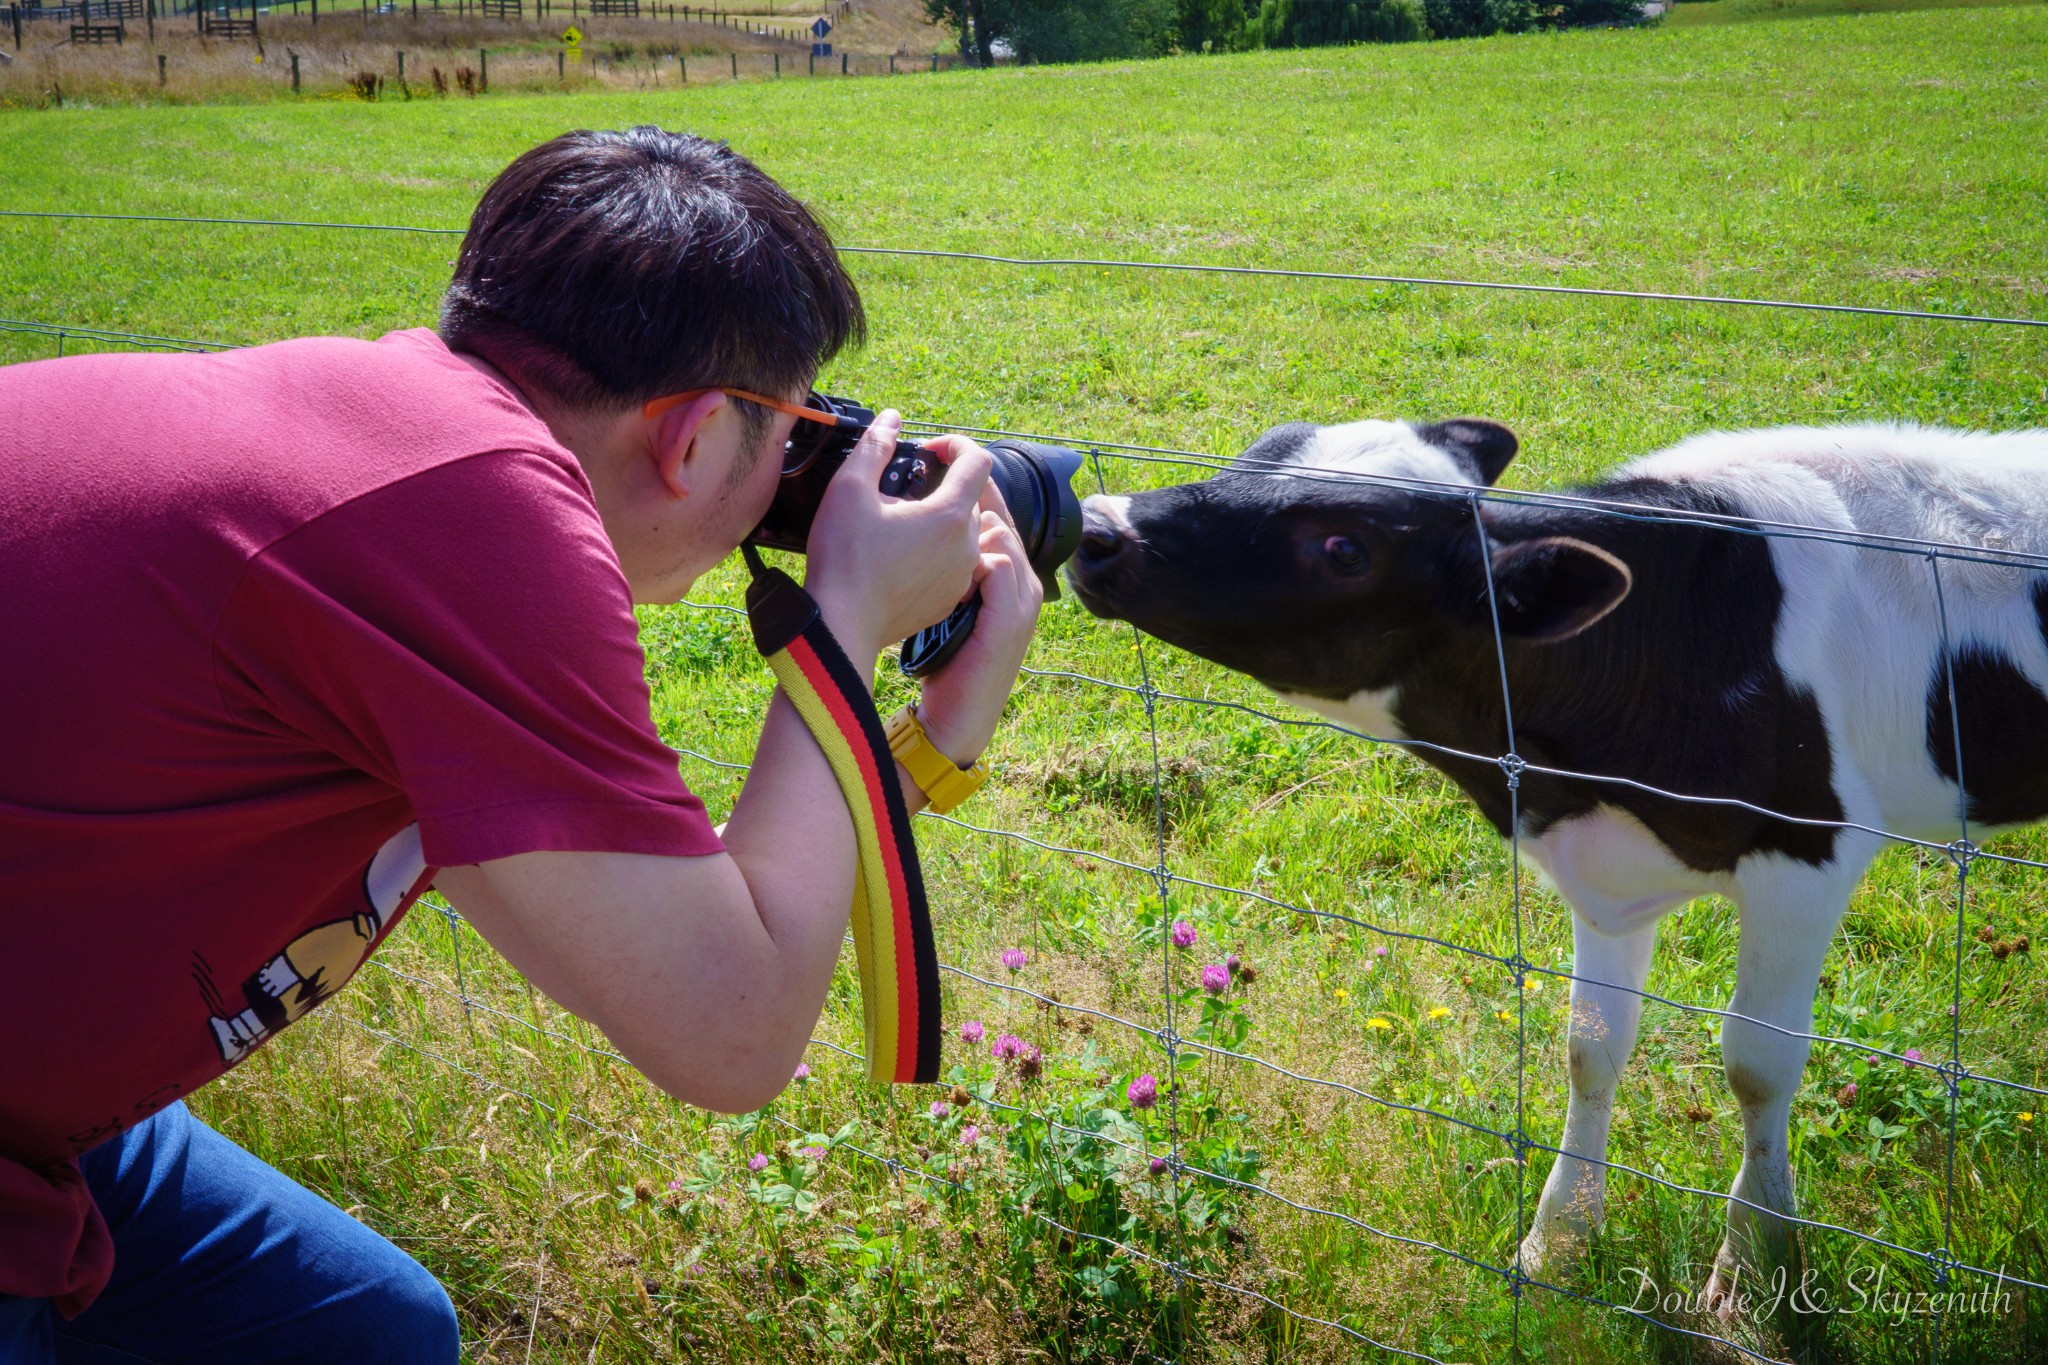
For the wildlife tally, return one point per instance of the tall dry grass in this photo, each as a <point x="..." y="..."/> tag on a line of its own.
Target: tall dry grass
<point x="503" y="56"/>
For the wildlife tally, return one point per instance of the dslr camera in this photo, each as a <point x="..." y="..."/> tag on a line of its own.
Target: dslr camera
<point x="1036" y="482"/>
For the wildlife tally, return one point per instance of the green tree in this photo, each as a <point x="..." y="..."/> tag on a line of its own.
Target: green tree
<point x="1478" y="18"/>
<point x="980" y="24"/>
<point x="1217" y="26"/>
<point x="1323" y="23"/>
<point x="1089" y="30"/>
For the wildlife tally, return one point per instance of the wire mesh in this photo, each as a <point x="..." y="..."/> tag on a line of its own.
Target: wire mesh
<point x="1166" y="1037"/>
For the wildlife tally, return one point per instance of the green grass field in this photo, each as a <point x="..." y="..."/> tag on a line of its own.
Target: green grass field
<point x="577" y="1215"/>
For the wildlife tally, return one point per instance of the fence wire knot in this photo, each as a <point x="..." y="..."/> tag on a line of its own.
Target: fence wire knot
<point x="1513" y="765"/>
<point x="1516" y="1276"/>
<point x="1171" y="1041"/>
<point x="1942" y="1262"/>
<point x="1962" y="853"/>
<point x="1953" y="1073"/>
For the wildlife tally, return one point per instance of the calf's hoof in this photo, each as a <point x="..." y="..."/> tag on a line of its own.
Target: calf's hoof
<point x="1553" y="1247"/>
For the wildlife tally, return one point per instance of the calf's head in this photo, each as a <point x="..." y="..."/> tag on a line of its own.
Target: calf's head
<point x="1292" y="568"/>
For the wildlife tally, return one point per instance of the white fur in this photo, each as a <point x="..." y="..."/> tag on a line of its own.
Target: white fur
<point x="1368" y="711"/>
<point x="1387" y="449"/>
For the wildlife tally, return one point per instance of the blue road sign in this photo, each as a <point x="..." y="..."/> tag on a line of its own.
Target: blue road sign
<point x="820" y="27"/>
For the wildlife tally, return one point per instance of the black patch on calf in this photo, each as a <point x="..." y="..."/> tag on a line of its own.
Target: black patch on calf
<point x="1483" y="447"/>
<point x="2041" y="607"/>
<point x="1678" y="688"/>
<point x="2004" y="732"/>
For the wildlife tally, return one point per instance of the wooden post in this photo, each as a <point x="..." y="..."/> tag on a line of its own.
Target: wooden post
<point x="892" y="63"/>
<point x="935" y="63"/>
<point x="735" y="66"/>
<point x="401" y="69"/>
<point x="316" y="13"/>
<point x="778" y="66"/>
<point x="151" y="12"/>
<point x="16" y="11"/>
<point x="682" y="69"/>
<point x="561" y="66"/>
<point x="163" y="77"/>
<point x="842" y="63"/>
<point x="295" y="72"/>
<point x="483" y="70"/>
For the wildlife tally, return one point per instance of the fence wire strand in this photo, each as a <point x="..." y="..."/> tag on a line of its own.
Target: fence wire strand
<point x="1167" y="267"/>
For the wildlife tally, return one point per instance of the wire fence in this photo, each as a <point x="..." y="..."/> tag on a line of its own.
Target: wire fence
<point x="1941" y="1262"/>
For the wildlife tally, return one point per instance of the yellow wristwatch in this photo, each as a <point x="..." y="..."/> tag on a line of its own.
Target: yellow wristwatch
<point x="944" y="785"/>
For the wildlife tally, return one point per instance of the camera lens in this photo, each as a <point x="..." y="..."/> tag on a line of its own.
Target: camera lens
<point x="1036" y="482"/>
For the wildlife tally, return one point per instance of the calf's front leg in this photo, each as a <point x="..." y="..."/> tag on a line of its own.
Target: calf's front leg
<point x="1789" y="911"/>
<point x="1602" y="1034"/>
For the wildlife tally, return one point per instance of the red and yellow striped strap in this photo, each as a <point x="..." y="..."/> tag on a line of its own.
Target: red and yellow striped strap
<point x="892" y="926"/>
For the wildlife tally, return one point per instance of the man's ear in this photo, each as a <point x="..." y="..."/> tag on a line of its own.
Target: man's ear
<point x="675" y="437"/>
<point x="1484" y="448"/>
<point x="1553" y="588"/>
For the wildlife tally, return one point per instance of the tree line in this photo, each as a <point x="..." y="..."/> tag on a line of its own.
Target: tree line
<point x="1101" y="30"/>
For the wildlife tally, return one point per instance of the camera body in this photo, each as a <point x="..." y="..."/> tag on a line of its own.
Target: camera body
<point x="1035" y="480"/>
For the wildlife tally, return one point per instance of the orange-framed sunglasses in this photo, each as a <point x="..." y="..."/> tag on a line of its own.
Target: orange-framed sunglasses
<point x="805" y="442"/>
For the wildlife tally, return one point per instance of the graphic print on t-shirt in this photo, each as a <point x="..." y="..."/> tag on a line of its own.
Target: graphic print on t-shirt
<point x="314" y="965"/>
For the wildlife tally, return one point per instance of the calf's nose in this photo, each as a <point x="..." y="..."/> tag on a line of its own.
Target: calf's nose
<point x="1103" y="536"/>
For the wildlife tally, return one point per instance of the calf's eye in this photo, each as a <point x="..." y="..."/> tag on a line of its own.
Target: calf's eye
<point x="1344" y="552"/>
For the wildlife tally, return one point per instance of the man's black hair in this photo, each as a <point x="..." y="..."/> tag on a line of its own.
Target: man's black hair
<point x="602" y="269"/>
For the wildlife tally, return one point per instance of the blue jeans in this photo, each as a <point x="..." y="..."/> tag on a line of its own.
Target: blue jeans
<point x="217" y="1257"/>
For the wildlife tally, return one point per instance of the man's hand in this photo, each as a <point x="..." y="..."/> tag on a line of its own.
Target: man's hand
<point x="882" y="568"/>
<point x="964" y="700"/>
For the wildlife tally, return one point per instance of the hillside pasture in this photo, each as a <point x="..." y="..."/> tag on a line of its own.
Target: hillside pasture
<point x="575" y="1214"/>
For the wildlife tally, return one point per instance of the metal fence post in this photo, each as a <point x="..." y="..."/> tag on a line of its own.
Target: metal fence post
<point x="483" y="70"/>
<point x="682" y="69"/>
<point x="778" y="65"/>
<point x="295" y="73"/>
<point x="735" y="66"/>
<point x="163" y="77"/>
<point x="401" y="68"/>
<point x="842" y="64"/>
<point x="935" y="63"/>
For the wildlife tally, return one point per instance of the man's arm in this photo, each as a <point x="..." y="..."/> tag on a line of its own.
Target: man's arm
<point x="708" y="973"/>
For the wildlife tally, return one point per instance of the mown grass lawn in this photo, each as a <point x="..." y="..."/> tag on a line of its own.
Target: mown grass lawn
<point x="1888" y="159"/>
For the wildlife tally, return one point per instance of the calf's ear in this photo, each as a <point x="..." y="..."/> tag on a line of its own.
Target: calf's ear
<point x="1484" y="448"/>
<point x="1553" y="588"/>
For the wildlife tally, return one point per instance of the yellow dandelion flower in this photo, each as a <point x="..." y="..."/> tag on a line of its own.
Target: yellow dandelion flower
<point x="1504" y="1016"/>
<point x="2026" y="1117"/>
<point x="1530" y="983"/>
<point x="1343" y="994"/>
<point x="1377" y="1022"/>
<point x="1438" y="1011"/>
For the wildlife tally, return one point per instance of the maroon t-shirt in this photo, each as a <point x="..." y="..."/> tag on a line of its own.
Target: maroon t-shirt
<point x="281" y="631"/>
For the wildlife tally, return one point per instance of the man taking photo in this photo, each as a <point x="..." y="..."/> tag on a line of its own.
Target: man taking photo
<point x="295" y="631"/>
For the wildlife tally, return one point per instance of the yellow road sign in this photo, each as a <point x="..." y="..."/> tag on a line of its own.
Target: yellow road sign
<point x="572" y="36"/>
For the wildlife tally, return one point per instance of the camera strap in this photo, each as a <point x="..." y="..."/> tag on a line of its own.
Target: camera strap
<point x="892" y="926"/>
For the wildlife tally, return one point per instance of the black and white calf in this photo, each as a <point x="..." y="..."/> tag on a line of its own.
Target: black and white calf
<point x="1804" y="676"/>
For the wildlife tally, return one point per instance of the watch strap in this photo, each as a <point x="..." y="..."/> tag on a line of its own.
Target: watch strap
<point x="944" y="783"/>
